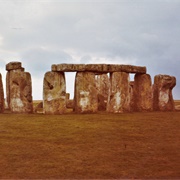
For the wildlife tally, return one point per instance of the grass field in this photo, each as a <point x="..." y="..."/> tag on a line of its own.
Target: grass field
<point x="133" y="145"/>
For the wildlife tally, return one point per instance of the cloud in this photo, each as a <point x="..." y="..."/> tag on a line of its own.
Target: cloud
<point x="39" y="60"/>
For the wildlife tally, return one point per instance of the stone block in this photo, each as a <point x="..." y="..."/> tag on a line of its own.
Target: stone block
<point x="19" y="92"/>
<point x="54" y="93"/>
<point x="162" y="93"/>
<point x="103" y="88"/>
<point x="119" y="96"/>
<point x="13" y="65"/>
<point x="1" y="95"/>
<point x="142" y="93"/>
<point x="98" y="68"/>
<point x="85" y="97"/>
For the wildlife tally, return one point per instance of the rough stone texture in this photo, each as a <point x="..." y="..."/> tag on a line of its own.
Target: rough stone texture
<point x="162" y="94"/>
<point x="142" y="93"/>
<point x="85" y="97"/>
<point x="68" y="67"/>
<point x="38" y="107"/>
<point x="67" y="96"/>
<point x="13" y="66"/>
<point x="119" y="96"/>
<point x="131" y="87"/>
<point x="98" y="68"/>
<point x="1" y="96"/>
<point x="70" y="103"/>
<point x="54" y="93"/>
<point x="177" y="107"/>
<point x="19" y="92"/>
<point x="103" y="87"/>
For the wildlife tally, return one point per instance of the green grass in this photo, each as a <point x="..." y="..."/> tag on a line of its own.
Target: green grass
<point x="133" y="145"/>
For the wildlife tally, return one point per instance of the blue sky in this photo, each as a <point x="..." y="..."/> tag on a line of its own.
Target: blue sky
<point x="40" y="33"/>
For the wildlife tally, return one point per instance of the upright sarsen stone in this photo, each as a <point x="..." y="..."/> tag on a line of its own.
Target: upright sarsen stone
<point x="162" y="94"/>
<point x="119" y="96"/>
<point x="103" y="87"/>
<point x="85" y="97"/>
<point x="142" y="93"/>
<point x="18" y="89"/>
<point x="54" y="93"/>
<point x="20" y="99"/>
<point x="1" y="95"/>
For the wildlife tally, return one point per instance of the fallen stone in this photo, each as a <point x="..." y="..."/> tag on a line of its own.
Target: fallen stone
<point x="119" y="96"/>
<point x="1" y="95"/>
<point x="143" y="94"/>
<point x="54" y="93"/>
<point x="177" y="107"/>
<point x="85" y="97"/>
<point x="162" y="94"/>
<point x="38" y="107"/>
<point x="103" y="88"/>
<point x="70" y="104"/>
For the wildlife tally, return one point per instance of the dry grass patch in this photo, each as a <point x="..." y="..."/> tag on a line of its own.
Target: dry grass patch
<point x="134" y="145"/>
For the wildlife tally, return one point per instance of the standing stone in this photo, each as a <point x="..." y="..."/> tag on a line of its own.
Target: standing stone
<point x="131" y="87"/>
<point x="103" y="87"/>
<point x="18" y="89"/>
<point x="85" y="97"/>
<point x="21" y="93"/>
<point x="162" y="95"/>
<point x="119" y="96"/>
<point x="142" y="93"/>
<point x="54" y="93"/>
<point x="11" y="68"/>
<point x="1" y="95"/>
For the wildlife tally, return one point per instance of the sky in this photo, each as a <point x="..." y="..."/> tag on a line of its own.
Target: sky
<point x="40" y="33"/>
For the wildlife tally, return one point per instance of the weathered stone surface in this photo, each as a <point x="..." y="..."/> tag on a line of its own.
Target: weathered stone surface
<point x="38" y="108"/>
<point x="1" y="95"/>
<point x="68" y="67"/>
<point x="67" y="96"/>
<point x="143" y="94"/>
<point x="85" y="97"/>
<point x="13" y="65"/>
<point x="98" y="68"/>
<point x="19" y="92"/>
<point x="177" y="107"/>
<point x="54" y="93"/>
<point x="11" y="68"/>
<point x="162" y="94"/>
<point x="131" y="88"/>
<point x="119" y="96"/>
<point x="103" y="88"/>
<point x="70" y="104"/>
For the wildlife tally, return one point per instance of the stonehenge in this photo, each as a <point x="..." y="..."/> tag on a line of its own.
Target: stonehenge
<point x="97" y="87"/>
<point x="162" y="94"/>
<point x="18" y="89"/>
<point x="119" y="96"/>
<point x="1" y="95"/>
<point x="103" y="88"/>
<point x="85" y="99"/>
<point x="54" y="93"/>
<point x="142" y="93"/>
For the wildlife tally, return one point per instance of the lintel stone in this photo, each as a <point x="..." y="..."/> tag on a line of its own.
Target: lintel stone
<point x="13" y="66"/>
<point x="98" y="68"/>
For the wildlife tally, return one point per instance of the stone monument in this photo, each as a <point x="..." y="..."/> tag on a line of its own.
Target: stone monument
<point x="18" y="89"/>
